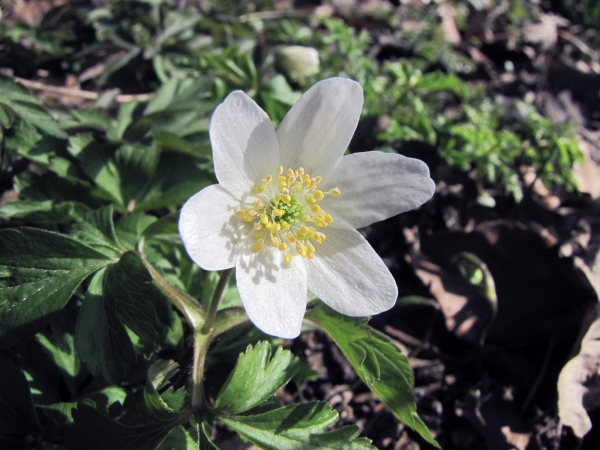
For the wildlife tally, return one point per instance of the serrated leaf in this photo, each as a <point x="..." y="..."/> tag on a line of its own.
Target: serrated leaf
<point x="17" y="413"/>
<point x="121" y="295"/>
<point x="102" y="342"/>
<point x="39" y="272"/>
<point x="139" y="305"/>
<point x="256" y="377"/>
<point x="297" y="427"/>
<point x="377" y="361"/>
<point x="98" y="231"/>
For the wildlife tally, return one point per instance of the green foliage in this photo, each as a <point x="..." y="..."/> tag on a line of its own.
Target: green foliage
<point x="255" y="378"/>
<point x="297" y="426"/>
<point x="40" y="271"/>
<point x="377" y="362"/>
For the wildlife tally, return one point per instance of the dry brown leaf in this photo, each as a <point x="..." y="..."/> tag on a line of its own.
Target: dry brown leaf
<point x="579" y="383"/>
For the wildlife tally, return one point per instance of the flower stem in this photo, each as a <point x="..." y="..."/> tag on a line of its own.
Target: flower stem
<point x="202" y="337"/>
<point x="188" y="306"/>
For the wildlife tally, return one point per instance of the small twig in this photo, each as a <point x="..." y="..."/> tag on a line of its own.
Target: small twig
<point x="72" y="92"/>
<point x="582" y="46"/>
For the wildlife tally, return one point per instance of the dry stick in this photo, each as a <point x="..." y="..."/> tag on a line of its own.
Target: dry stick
<point x="72" y="92"/>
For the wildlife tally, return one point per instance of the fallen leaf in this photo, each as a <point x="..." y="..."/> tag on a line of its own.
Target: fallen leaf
<point x="579" y="383"/>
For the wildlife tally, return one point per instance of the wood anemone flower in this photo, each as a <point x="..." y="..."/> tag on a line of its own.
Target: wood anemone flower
<point x="288" y="203"/>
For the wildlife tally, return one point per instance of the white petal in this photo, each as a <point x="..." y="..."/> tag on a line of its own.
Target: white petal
<point x="349" y="276"/>
<point x="273" y="292"/>
<point x="210" y="231"/>
<point x="244" y="143"/>
<point x="375" y="186"/>
<point x="318" y="128"/>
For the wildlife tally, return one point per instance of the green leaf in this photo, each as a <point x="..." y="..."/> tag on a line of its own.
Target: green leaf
<point x="120" y="296"/>
<point x="17" y="413"/>
<point x="297" y="427"/>
<point x="158" y="375"/>
<point x="102" y="342"/>
<point x="256" y="377"/>
<point x="60" y="346"/>
<point x="39" y="272"/>
<point x="94" y="430"/>
<point x="177" y="178"/>
<point x="15" y="99"/>
<point x="96" y="160"/>
<point x="180" y="439"/>
<point x="377" y="361"/>
<point x="98" y="231"/>
<point x="44" y="212"/>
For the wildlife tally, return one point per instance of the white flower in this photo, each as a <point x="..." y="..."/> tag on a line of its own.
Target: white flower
<point x="287" y="204"/>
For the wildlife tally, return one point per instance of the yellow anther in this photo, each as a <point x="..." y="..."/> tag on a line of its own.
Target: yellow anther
<point x="305" y="218"/>
<point x="264" y="218"/>
<point x="288" y="258"/>
<point x="257" y="247"/>
<point x="258" y="236"/>
<point x="259" y="189"/>
<point x="303" y="230"/>
<point x="315" y="208"/>
<point x="277" y="198"/>
<point x="297" y="186"/>
<point x="301" y="249"/>
<point x="277" y="228"/>
<point x="247" y="218"/>
<point x="285" y="225"/>
<point x="318" y="195"/>
<point x="310" y="200"/>
<point x="281" y="179"/>
<point x="274" y="241"/>
<point x="282" y="246"/>
<point x="280" y="169"/>
<point x="335" y="191"/>
<point x="311" y="247"/>
<point x="290" y="237"/>
<point x="327" y="218"/>
<point x="287" y="198"/>
<point x="270" y="226"/>
<point x="278" y="212"/>
<point x="290" y="173"/>
<point x="240" y="213"/>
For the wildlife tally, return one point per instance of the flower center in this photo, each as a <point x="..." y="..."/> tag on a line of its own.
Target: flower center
<point x="283" y="215"/>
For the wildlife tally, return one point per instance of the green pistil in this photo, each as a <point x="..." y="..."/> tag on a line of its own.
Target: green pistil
<point x="293" y="211"/>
